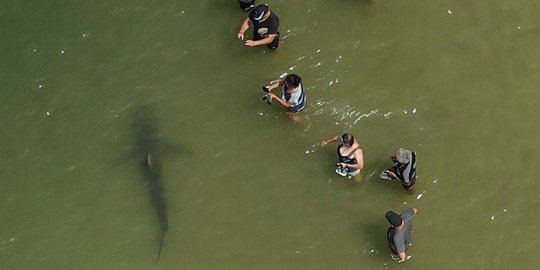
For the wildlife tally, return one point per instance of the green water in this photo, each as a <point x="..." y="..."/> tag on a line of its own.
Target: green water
<point x="246" y="187"/>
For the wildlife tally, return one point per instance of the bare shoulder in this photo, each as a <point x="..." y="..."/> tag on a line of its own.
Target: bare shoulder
<point x="359" y="149"/>
<point x="358" y="153"/>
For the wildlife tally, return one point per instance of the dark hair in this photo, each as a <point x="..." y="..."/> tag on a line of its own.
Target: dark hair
<point x="348" y="139"/>
<point x="393" y="218"/>
<point x="292" y="80"/>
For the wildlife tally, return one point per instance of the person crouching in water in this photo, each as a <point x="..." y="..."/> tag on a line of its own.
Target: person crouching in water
<point x="292" y="97"/>
<point x="350" y="155"/>
<point x="405" y="169"/>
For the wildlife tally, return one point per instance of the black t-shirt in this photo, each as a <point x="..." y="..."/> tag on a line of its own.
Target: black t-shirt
<point x="268" y="26"/>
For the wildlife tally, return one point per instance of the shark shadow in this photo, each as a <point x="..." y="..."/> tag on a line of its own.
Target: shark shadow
<point x="149" y="149"/>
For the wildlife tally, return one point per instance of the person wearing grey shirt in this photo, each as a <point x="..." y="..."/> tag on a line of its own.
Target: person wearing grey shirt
<point x="399" y="234"/>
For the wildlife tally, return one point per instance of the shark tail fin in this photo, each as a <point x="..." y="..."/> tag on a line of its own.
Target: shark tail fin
<point x="160" y="247"/>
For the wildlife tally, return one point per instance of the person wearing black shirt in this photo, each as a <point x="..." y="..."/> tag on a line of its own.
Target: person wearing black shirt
<point x="265" y="27"/>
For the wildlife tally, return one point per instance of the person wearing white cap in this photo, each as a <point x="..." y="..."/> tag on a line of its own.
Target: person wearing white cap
<point x="265" y="27"/>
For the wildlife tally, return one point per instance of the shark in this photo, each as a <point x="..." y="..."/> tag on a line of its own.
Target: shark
<point x="149" y="148"/>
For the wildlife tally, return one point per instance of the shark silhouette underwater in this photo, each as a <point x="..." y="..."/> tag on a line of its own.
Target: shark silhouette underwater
<point x="149" y="148"/>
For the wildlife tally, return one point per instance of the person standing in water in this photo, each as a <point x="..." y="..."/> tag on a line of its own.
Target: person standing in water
<point x="292" y="97"/>
<point x="404" y="169"/>
<point x="399" y="234"/>
<point x="265" y="27"/>
<point x="350" y="155"/>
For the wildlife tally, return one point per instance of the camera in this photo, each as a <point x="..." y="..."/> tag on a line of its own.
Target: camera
<point x="267" y="96"/>
<point x="341" y="171"/>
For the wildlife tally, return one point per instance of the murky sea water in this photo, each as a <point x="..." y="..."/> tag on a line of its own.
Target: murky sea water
<point x="247" y="188"/>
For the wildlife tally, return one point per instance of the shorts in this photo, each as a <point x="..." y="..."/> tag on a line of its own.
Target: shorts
<point x="410" y="185"/>
<point x="296" y="109"/>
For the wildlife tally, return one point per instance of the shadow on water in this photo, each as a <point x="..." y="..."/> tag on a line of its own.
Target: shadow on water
<point x="373" y="240"/>
<point x="149" y="149"/>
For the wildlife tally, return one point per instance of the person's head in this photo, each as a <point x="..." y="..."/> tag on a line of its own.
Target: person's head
<point x="402" y="156"/>
<point x="246" y="5"/>
<point x="292" y="81"/>
<point x="393" y="218"/>
<point x="347" y="139"/>
<point x="259" y="12"/>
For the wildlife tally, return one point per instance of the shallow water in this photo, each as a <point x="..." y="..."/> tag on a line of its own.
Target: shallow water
<point x="246" y="187"/>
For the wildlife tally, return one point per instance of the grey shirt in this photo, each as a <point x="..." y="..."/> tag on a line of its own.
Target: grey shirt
<point x="402" y="238"/>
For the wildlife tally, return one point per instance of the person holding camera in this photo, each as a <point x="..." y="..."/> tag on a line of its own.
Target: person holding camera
<point x="292" y="97"/>
<point x="404" y="170"/>
<point x="350" y="155"/>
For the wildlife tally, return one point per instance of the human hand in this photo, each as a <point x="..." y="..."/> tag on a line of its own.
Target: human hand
<point x="398" y="259"/>
<point x="406" y="259"/>
<point x="250" y="43"/>
<point x="391" y="174"/>
<point x="324" y="143"/>
<point x="271" y="86"/>
<point x="240" y="35"/>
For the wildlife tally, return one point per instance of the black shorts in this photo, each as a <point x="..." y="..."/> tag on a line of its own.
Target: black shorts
<point x="410" y="185"/>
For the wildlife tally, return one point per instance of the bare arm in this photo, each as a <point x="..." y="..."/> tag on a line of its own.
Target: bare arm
<point x="264" y="41"/>
<point x="280" y="100"/>
<point x="394" y="175"/>
<point x="243" y="28"/>
<point x="274" y="85"/>
<point x="402" y="256"/>
<point x="329" y="140"/>
<point x="359" y="156"/>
